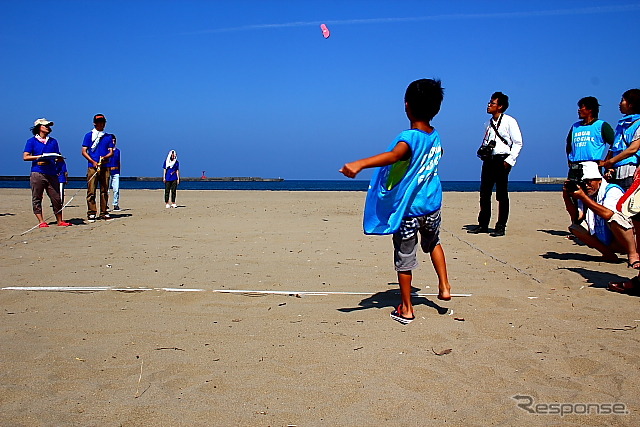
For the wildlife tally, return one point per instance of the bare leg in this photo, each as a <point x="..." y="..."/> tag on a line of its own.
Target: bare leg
<point x="625" y="241"/>
<point x="581" y="233"/>
<point x="406" y="307"/>
<point x="440" y="265"/>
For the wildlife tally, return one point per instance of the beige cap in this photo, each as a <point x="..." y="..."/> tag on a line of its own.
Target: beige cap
<point x="43" y="121"/>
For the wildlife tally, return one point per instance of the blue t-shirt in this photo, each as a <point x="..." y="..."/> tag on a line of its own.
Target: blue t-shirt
<point x="62" y="171"/>
<point x="171" y="174"/>
<point x="114" y="162"/>
<point x="587" y="142"/>
<point x="407" y="188"/>
<point x="37" y="148"/>
<point x="101" y="149"/>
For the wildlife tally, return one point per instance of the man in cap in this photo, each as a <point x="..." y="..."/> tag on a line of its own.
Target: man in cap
<point x="591" y="200"/>
<point x="97" y="148"/>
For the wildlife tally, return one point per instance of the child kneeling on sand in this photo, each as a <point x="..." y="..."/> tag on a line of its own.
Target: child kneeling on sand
<point x="405" y="194"/>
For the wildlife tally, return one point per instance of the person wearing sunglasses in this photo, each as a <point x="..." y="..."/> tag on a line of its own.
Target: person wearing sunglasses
<point x="44" y="153"/>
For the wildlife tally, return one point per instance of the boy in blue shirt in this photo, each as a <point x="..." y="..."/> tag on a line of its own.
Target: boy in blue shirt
<point x="405" y="194"/>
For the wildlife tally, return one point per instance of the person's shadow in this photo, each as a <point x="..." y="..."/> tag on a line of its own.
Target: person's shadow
<point x="597" y="279"/>
<point x="563" y="233"/>
<point x="572" y="256"/>
<point x="389" y="299"/>
<point x="83" y="221"/>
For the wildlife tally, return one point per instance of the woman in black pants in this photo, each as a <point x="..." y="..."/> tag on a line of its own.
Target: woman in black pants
<point x="171" y="178"/>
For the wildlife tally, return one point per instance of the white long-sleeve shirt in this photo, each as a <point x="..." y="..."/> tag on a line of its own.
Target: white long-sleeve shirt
<point x="510" y="131"/>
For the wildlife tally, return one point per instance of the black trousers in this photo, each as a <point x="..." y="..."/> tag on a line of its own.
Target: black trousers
<point x="170" y="186"/>
<point x="494" y="173"/>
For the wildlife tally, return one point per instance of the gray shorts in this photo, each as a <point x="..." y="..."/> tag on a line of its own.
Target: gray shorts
<point x="405" y="240"/>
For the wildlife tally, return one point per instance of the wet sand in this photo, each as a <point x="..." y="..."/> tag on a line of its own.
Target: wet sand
<point x="539" y="321"/>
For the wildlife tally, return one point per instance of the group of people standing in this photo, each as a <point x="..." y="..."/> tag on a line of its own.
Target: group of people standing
<point x="603" y="166"/>
<point x="49" y="171"/>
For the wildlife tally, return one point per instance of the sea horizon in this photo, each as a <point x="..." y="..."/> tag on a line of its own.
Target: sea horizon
<point x="291" y="185"/>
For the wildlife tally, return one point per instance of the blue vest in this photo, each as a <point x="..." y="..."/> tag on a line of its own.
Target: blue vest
<point x="587" y="143"/>
<point x="627" y="127"/>
<point x="407" y="188"/>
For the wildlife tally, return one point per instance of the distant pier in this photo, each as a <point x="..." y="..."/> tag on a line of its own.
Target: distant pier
<point x="548" y="180"/>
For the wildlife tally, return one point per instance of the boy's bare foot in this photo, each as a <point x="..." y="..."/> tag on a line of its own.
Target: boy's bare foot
<point x="444" y="292"/>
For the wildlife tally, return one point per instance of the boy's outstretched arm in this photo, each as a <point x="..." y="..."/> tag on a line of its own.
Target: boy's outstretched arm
<point x="399" y="152"/>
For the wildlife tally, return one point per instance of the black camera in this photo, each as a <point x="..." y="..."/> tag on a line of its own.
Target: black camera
<point x="485" y="152"/>
<point x="574" y="178"/>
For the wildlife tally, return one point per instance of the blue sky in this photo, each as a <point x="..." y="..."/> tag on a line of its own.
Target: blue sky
<point x="251" y="88"/>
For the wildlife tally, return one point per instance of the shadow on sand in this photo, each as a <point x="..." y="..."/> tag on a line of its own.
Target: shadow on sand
<point x="390" y="298"/>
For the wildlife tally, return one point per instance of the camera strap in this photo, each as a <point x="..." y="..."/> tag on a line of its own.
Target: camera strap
<point x="495" y="129"/>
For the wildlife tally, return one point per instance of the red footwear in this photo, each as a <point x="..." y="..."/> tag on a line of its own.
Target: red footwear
<point x="64" y="224"/>
<point x="630" y="287"/>
<point x="43" y="225"/>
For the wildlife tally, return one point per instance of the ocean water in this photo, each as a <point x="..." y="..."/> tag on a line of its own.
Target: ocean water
<point x="296" y="185"/>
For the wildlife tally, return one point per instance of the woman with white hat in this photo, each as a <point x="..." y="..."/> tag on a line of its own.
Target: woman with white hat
<point x="43" y="153"/>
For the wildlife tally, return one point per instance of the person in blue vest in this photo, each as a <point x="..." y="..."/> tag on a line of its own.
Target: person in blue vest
<point x="114" y="172"/>
<point x="628" y="130"/>
<point x="97" y="148"/>
<point x="43" y="152"/>
<point x="623" y="157"/>
<point x="589" y="139"/>
<point x="593" y="203"/>
<point x="405" y="194"/>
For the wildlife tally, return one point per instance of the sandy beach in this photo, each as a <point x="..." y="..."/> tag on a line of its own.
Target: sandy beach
<point x="158" y="343"/>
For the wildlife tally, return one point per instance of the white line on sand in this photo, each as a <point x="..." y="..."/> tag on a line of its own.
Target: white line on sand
<point x="228" y="291"/>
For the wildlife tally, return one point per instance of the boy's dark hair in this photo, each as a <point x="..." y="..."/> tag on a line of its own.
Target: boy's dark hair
<point x="590" y="103"/>
<point x="632" y="96"/>
<point x="424" y="98"/>
<point x="503" y="100"/>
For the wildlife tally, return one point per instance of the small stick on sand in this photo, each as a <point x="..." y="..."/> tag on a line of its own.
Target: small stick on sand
<point x="139" y="379"/>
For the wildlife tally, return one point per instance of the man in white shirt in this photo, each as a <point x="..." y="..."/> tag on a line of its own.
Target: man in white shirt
<point x="593" y="203"/>
<point x="501" y="144"/>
